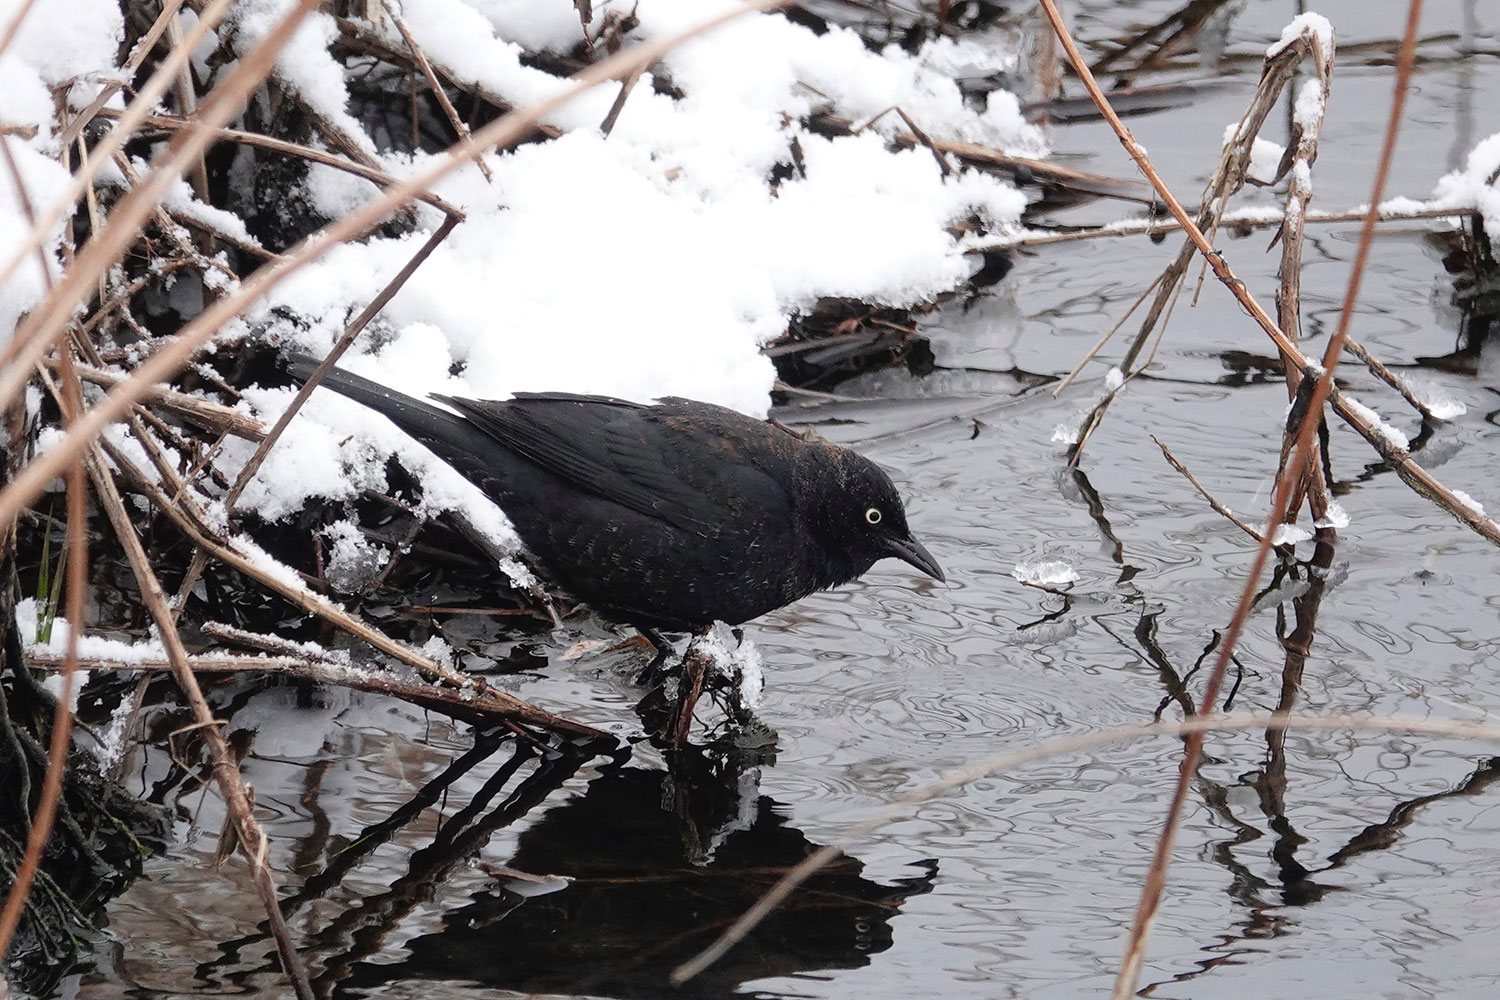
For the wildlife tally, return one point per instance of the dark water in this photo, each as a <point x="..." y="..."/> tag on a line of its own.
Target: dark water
<point x="1338" y="866"/>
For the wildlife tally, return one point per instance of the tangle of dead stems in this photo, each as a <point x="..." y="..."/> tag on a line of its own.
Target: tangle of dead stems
<point x="45" y="342"/>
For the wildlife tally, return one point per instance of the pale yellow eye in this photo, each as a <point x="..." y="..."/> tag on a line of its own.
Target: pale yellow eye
<point x="873" y="515"/>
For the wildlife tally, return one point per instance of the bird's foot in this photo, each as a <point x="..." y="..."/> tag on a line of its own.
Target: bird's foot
<point x="664" y="652"/>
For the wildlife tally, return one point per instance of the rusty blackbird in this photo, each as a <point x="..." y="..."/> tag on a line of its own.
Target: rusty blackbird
<point x="669" y="516"/>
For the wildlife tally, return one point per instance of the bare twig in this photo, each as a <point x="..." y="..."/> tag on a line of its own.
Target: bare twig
<point x="252" y="466"/>
<point x="226" y="771"/>
<point x="626" y="86"/>
<point x="922" y="137"/>
<point x="372" y="174"/>
<point x="12" y="27"/>
<point x="1217" y="507"/>
<point x="62" y="716"/>
<point x="461" y="129"/>
<point x="204" y="412"/>
<point x="1247" y="219"/>
<point x="187" y="106"/>
<point x="1391" y="379"/>
<point x="143" y="47"/>
<point x="183" y="512"/>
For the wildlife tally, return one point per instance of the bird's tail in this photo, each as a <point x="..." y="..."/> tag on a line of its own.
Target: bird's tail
<point x="442" y="431"/>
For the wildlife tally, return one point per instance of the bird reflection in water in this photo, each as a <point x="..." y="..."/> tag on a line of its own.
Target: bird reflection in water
<point x="656" y="864"/>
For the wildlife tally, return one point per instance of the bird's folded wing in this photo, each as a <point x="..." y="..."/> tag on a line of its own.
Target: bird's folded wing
<point x="616" y="450"/>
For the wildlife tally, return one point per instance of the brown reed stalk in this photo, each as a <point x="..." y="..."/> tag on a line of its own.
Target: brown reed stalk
<point x="1155" y="884"/>
<point x="1296" y="166"/>
<point x="62" y="717"/>
<point x="226" y="770"/>
<point x="1232" y="220"/>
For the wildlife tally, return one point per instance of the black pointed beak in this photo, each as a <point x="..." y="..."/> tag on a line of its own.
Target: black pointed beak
<point x="909" y="550"/>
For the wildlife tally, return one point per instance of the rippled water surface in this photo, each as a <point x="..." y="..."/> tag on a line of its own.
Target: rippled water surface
<point x="1339" y="865"/>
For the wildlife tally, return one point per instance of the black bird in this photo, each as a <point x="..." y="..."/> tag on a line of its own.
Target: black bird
<point x="666" y="517"/>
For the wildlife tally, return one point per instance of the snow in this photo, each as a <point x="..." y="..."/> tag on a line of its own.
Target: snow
<point x="1290" y="534"/>
<point x="1471" y="188"/>
<point x="1336" y="517"/>
<point x="1393" y="437"/>
<point x="181" y="201"/>
<point x="304" y="62"/>
<point x="1468" y="501"/>
<point x="1265" y="156"/>
<point x="268" y="564"/>
<point x="1438" y="402"/>
<point x="59" y="41"/>
<point x="1067" y="432"/>
<point x="1045" y="573"/>
<point x="1312" y="24"/>
<point x="1307" y="110"/>
<point x="64" y="39"/>
<point x="735" y="658"/>
<point x="112" y="740"/>
<point x="90" y="647"/>
<point x="353" y="560"/>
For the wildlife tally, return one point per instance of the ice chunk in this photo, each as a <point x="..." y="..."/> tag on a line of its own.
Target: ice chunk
<point x="1045" y="573"/>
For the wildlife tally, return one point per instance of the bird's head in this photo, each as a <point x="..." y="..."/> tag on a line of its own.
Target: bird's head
<point x="861" y="520"/>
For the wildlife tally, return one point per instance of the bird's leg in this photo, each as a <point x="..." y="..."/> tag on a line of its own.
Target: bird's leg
<point x="664" y="650"/>
<point x="695" y="664"/>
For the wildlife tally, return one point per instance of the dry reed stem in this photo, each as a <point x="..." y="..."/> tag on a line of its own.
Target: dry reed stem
<point x="1218" y="508"/>
<point x="1155" y="883"/>
<point x="62" y="716"/>
<point x="143" y="47"/>
<point x="1418" y="478"/>
<point x="979" y="155"/>
<point x="204" y="412"/>
<point x="29" y="483"/>
<point x="438" y="92"/>
<point x="1297" y="165"/>
<point x="226" y="771"/>
<point x="187" y="106"/>
<point x="477" y="710"/>
<point x="44" y="325"/>
<point x="1088" y="355"/>
<point x="1230" y="220"/>
<point x="374" y="175"/>
<point x="1228" y="177"/>
<point x="18" y="354"/>
<point x="12" y="28"/>
<point x="1057" y="747"/>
